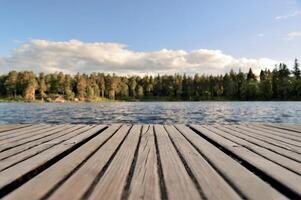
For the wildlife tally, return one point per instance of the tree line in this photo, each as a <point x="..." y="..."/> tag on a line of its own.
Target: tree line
<point x="278" y="84"/>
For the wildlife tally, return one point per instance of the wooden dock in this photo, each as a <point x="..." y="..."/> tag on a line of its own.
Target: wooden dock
<point x="123" y="161"/>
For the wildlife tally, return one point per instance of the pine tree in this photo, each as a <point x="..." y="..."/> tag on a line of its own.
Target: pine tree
<point x="296" y="91"/>
<point x="296" y="71"/>
<point x="81" y="87"/>
<point x="11" y="84"/>
<point x="42" y="86"/>
<point x="251" y="76"/>
<point x="30" y="85"/>
<point x="133" y="85"/>
<point x="101" y="84"/>
<point x="140" y="92"/>
<point x="90" y="93"/>
<point x="265" y="85"/>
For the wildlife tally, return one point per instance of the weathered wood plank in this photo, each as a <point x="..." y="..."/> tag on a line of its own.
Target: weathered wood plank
<point x="68" y="133"/>
<point x="145" y="181"/>
<point x="275" y="157"/>
<point x="282" y="151"/>
<point x="294" y="126"/>
<point x="273" y="134"/>
<point x="282" y="129"/>
<point x="113" y="183"/>
<point x="90" y="170"/>
<point x="271" y="140"/>
<point x="178" y="183"/>
<point x="21" y="131"/>
<point x="44" y="183"/>
<point x="278" y="173"/>
<point x="275" y="131"/>
<point x="253" y="134"/>
<point x="53" y="134"/>
<point x="288" y="139"/>
<point x="29" y="166"/>
<point x="30" y="134"/>
<point x="8" y="127"/>
<point x="34" y="135"/>
<point x="244" y="181"/>
<point x="213" y="186"/>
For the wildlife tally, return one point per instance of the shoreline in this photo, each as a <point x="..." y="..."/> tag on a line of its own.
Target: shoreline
<point x="143" y="100"/>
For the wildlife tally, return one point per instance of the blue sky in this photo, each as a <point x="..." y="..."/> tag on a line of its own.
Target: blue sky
<point x="252" y="29"/>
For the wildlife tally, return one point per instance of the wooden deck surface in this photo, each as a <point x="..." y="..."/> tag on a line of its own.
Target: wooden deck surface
<point x="123" y="161"/>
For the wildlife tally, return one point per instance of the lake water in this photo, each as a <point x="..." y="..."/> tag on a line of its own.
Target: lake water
<point x="152" y="112"/>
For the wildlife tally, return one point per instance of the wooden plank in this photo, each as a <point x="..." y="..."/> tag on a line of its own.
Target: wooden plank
<point x="90" y="170"/>
<point x="29" y="134"/>
<point x="284" y="127"/>
<point x="8" y="127"/>
<point x="39" y="135"/>
<point x="68" y="133"/>
<point x="44" y="183"/>
<point x="281" y="129"/>
<point x="282" y="151"/>
<point x="113" y="183"/>
<point x="281" y="160"/>
<point x="178" y="183"/>
<point x="244" y="181"/>
<point x="254" y="134"/>
<point x="294" y="126"/>
<point x="265" y="129"/>
<point x="53" y="134"/>
<point x="294" y="142"/>
<point x="212" y="184"/>
<point x="29" y="166"/>
<point x="22" y="131"/>
<point x="33" y="135"/>
<point x="145" y="181"/>
<point x="286" y="178"/>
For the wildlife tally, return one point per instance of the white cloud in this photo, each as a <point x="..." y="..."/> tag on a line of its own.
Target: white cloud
<point x="260" y="35"/>
<point x="294" y="14"/>
<point x="75" y="56"/>
<point x="16" y="41"/>
<point x="293" y="35"/>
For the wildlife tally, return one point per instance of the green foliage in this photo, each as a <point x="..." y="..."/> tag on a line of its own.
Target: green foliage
<point x="265" y="85"/>
<point x="251" y="76"/>
<point x="140" y="92"/>
<point x="81" y="86"/>
<point x="296" y="70"/>
<point x="280" y="84"/>
<point x="249" y="90"/>
<point x="90" y="93"/>
<point x="10" y="83"/>
<point x="42" y="86"/>
<point x="133" y="85"/>
<point x="69" y="95"/>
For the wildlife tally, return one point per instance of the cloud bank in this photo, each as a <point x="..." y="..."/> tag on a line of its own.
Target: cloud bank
<point x="76" y="56"/>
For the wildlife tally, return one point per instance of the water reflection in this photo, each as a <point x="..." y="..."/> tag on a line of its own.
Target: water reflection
<point x="152" y="112"/>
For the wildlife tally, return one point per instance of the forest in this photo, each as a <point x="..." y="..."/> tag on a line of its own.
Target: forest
<point x="281" y="83"/>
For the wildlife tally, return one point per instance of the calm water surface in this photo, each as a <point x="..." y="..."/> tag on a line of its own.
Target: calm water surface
<point x="152" y="112"/>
